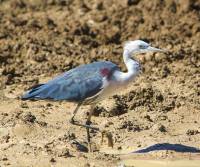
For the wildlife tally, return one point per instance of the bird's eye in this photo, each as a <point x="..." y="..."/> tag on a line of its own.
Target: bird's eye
<point x="142" y="46"/>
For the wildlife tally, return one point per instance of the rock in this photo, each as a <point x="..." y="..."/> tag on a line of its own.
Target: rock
<point x="162" y="128"/>
<point x="187" y="5"/>
<point x="79" y="146"/>
<point x="87" y="165"/>
<point x="42" y="123"/>
<point x="148" y="118"/>
<point x="24" y="105"/>
<point x="98" y="110"/>
<point x="64" y="153"/>
<point x="159" y="128"/>
<point x="132" y="2"/>
<point x="165" y="72"/>
<point x="5" y="159"/>
<point x="130" y="126"/>
<point x="28" y="117"/>
<point x="191" y="132"/>
<point x="39" y="57"/>
<point x="52" y="160"/>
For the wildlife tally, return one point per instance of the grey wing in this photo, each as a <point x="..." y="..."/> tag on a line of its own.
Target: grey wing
<point x="75" y="85"/>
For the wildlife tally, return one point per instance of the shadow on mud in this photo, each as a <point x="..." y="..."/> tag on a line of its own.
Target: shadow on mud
<point x="168" y="146"/>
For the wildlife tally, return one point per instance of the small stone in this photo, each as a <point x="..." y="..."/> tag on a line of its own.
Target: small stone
<point x="119" y="148"/>
<point x="6" y="138"/>
<point x="4" y="159"/>
<point x="148" y="118"/>
<point x="5" y="114"/>
<point x="159" y="127"/>
<point x="87" y="165"/>
<point x="108" y="124"/>
<point x="52" y="160"/>
<point x="79" y="146"/>
<point x="162" y="117"/>
<point x="64" y="153"/>
<point x="99" y="110"/>
<point x="28" y="117"/>
<point x="162" y="128"/>
<point x="24" y="105"/>
<point x="49" y="105"/>
<point x="42" y="123"/>
<point x="165" y="72"/>
<point x="132" y="2"/>
<point x="192" y="132"/>
<point x="39" y="57"/>
<point x="186" y="6"/>
<point x="71" y="136"/>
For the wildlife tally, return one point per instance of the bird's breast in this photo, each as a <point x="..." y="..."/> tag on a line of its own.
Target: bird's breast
<point x="110" y="88"/>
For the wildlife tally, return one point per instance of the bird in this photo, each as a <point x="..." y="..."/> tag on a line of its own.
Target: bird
<point x="91" y="83"/>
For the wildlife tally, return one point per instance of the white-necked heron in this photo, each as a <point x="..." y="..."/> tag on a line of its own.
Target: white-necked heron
<point x="91" y="83"/>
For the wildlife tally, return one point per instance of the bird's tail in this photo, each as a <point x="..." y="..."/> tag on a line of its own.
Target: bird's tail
<point x="33" y="92"/>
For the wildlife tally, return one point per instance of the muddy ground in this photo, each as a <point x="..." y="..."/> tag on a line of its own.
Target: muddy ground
<point x="42" y="38"/>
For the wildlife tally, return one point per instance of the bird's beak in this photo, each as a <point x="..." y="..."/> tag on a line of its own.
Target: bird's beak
<point x="152" y="49"/>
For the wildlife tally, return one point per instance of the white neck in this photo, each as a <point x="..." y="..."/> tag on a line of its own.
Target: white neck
<point x="132" y="69"/>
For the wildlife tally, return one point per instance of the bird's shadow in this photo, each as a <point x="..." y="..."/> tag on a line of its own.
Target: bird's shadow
<point x="167" y="146"/>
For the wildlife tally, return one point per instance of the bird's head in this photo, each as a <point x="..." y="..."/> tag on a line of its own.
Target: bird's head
<point x="139" y="46"/>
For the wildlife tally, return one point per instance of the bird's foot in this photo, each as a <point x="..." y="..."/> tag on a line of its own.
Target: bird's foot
<point x="72" y="121"/>
<point x="88" y="122"/>
<point x="88" y="126"/>
<point x="109" y="136"/>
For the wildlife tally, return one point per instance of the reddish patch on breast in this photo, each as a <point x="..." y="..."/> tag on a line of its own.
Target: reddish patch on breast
<point x="104" y="72"/>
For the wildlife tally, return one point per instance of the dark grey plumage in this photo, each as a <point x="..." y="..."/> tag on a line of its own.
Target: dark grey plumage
<point x="76" y="84"/>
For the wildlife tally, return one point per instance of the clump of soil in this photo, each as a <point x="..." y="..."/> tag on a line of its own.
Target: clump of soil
<point x="151" y="99"/>
<point x="28" y="117"/>
<point x="118" y="108"/>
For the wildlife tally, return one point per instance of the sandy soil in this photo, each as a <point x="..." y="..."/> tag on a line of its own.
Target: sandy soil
<point x="40" y="39"/>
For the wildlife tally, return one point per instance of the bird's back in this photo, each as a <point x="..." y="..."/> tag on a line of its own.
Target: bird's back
<point x="76" y="84"/>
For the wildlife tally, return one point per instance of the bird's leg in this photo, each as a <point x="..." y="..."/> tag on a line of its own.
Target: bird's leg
<point x="87" y="126"/>
<point x="88" y="123"/>
<point x="72" y="121"/>
<point x="108" y="135"/>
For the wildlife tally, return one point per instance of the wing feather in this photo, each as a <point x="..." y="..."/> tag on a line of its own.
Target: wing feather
<point x="74" y="85"/>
